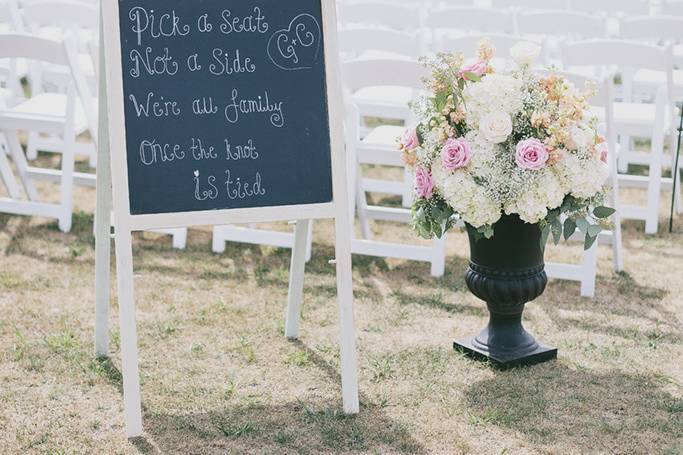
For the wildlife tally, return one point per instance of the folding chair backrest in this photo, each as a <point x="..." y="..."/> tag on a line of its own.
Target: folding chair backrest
<point x="612" y="7"/>
<point x="621" y="53"/>
<point x="375" y="13"/>
<point x="533" y="4"/>
<point x="652" y="28"/>
<point x="31" y="47"/>
<point x="570" y="24"/>
<point x="471" y="19"/>
<point x="66" y="14"/>
<point x="355" y="41"/>
<point x="360" y="73"/>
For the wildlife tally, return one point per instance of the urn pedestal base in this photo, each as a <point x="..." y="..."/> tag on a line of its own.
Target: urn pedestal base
<point x="505" y="343"/>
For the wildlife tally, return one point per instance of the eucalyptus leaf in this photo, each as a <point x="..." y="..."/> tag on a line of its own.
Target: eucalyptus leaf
<point x="582" y="224"/>
<point x="569" y="228"/>
<point x="589" y="241"/>
<point x="594" y="230"/>
<point x="603" y="212"/>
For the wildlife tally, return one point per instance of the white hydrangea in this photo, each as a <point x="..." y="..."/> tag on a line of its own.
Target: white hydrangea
<point x="465" y="196"/>
<point x="584" y="176"/>
<point x="540" y="192"/>
<point x="495" y="93"/>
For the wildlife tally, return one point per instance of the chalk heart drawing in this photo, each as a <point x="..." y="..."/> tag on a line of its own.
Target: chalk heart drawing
<point x="298" y="46"/>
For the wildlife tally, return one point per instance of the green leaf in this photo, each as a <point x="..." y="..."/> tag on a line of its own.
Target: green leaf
<point x="582" y="224"/>
<point x="594" y="230"/>
<point x="589" y="241"/>
<point x="569" y="228"/>
<point x="603" y="212"/>
<point x="556" y="228"/>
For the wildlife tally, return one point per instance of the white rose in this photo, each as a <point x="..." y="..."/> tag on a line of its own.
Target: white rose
<point x="525" y="53"/>
<point x="579" y="138"/>
<point x="496" y="127"/>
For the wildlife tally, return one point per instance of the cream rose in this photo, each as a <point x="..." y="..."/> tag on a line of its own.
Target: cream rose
<point x="580" y="138"/>
<point x="496" y="127"/>
<point x="525" y="53"/>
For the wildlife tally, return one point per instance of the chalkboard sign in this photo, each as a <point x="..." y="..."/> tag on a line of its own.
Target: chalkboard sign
<point x="225" y="104"/>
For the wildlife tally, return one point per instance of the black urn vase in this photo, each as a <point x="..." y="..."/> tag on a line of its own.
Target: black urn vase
<point x="506" y="271"/>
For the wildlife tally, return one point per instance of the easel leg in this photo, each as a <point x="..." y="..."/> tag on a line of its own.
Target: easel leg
<point x="102" y="219"/>
<point x="349" y="362"/>
<point x="129" y="346"/>
<point x="296" y="277"/>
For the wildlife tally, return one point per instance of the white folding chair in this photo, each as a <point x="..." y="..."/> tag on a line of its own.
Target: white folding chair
<point x="645" y="82"/>
<point x="380" y="148"/>
<point x="53" y="19"/>
<point x="53" y="113"/>
<point x="612" y="7"/>
<point x="634" y="119"/>
<point x="382" y="102"/>
<point x="586" y="272"/>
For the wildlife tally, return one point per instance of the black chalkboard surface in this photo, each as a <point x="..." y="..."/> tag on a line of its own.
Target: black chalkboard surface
<point x="225" y="104"/>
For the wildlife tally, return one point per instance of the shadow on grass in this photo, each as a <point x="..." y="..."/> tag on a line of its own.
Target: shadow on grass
<point x="301" y="427"/>
<point x="618" y="294"/>
<point x="581" y="411"/>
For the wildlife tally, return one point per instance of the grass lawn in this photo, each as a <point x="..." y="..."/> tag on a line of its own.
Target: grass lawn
<point x="219" y="377"/>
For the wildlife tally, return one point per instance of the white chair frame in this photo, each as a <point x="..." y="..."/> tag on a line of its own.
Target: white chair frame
<point x="625" y="55"/>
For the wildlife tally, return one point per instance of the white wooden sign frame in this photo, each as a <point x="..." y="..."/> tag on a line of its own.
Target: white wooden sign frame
<point x="125" y="223"/>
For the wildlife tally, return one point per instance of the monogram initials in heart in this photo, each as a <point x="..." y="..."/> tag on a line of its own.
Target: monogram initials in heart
<point x="298" y="46"/>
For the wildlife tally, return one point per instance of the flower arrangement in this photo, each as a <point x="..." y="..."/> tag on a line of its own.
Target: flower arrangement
<point x="516" y="143"/>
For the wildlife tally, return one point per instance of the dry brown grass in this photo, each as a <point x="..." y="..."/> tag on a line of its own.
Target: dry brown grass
<point x="219" y="377"/>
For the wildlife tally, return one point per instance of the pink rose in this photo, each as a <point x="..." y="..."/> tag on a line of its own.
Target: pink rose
<point x="409" y="140"/>
<point x="531" y="154"/>
<point x="604" y="152"/>
<point x="478" y="69"/>
<point x="456" y="154"/>
<point x="424" y="185"/>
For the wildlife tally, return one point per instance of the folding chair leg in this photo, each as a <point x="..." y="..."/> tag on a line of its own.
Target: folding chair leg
<point x="21" y="164"/>
<point x="408" y="188"/>
<point x="362" y="204"/>
<point x="438" y="257"/>
<point x="589" y="271"/>
<point x="676" y="174"/>
<point x="67" y="184"/>
<point x="8" y="177"/>
<point x="654" y="185"/>
<point x="31" y="147"/>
